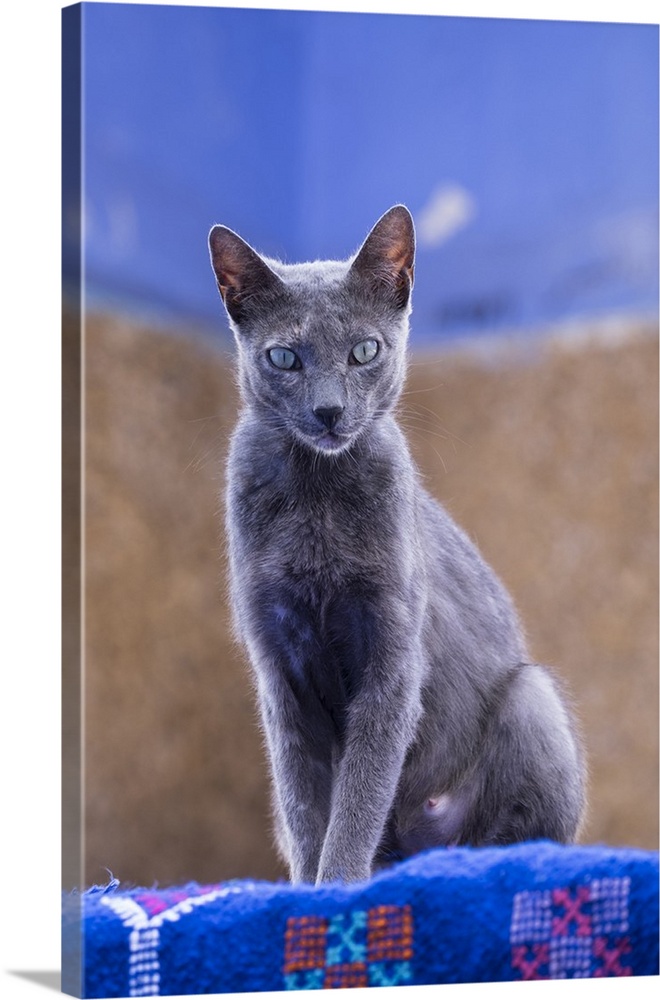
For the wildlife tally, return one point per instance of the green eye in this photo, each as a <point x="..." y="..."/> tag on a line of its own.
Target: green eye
<point x="282" y="357"/>
<point x="365" y="351"/>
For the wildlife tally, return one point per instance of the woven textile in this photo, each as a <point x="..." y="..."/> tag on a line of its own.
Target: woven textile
<point x="532" y="911"/>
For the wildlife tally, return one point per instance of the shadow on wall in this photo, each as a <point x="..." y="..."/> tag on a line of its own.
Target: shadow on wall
<point x="547" y="459"/>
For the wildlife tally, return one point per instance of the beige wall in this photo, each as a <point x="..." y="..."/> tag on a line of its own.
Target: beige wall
<point x="548" y="459"/>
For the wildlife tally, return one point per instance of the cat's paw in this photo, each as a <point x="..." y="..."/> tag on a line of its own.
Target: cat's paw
<point x="342" y="873"/>
<point x="305" y="875"/>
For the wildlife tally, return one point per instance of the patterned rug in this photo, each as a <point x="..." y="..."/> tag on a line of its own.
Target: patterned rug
<point x="532" y="911"/>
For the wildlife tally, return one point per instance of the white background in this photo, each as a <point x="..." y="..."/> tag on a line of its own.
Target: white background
<point x="29" y="463"/>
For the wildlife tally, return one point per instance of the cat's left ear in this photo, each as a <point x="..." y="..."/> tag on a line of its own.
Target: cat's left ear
<point x="386" y="259"/>
<point x="242" y="276"/>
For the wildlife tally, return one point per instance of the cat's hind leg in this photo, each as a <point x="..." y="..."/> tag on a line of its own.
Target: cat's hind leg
<point x="525" y="783"/>
<point x="529" y="782"/>
<point x="532" y="778"/>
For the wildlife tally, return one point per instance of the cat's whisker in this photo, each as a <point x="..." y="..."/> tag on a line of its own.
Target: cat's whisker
<point x="353" y="458"/>
<point x="411" y="407"/>
<point x="429" y="388"/>
<point x="203" y="424"/>
<point x="421" y="426"/>
<point x="438" y="456"/>
<point x="213" y="451"/>
<point x="212" y="416"/>
<point x="421" y="418"/>
<point x="433" y="416"/>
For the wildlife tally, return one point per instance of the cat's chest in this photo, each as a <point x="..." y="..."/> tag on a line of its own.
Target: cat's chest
<point x="332" y="527"/>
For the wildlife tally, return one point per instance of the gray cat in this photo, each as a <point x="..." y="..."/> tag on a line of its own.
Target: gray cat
<point x="399" y="708"/>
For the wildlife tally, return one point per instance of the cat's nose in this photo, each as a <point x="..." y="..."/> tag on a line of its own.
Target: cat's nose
<point x="328" y="415"/>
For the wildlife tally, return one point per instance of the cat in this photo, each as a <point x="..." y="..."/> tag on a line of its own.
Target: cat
<point x="399" y="707"/>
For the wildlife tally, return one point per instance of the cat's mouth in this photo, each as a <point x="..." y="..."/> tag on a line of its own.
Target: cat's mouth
<point x="326" y="442"/>
<point x="331" y="441"/>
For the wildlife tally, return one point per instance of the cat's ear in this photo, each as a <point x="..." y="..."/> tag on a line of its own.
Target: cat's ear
<point x="240" y="272"/>
<point x="386" y="259"/>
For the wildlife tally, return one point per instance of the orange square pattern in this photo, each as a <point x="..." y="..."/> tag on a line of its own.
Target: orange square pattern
<point x="305" y="942"/>
<point x="389" y="934"/>
<point x="350" y="974"/>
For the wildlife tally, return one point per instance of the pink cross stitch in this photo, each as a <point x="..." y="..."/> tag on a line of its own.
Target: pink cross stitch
<point x="573" y="912"/>
<point x="529" y="967"/>
<point x="610" y="957"/>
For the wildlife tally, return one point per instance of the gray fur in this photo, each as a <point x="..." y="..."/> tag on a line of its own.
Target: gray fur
<point x="398" y="704"/>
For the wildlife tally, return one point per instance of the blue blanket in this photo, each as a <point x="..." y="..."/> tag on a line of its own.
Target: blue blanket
<point x="532" y="911"/>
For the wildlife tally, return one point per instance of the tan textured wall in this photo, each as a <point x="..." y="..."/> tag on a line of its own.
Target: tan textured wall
<point x="548" y="459"/>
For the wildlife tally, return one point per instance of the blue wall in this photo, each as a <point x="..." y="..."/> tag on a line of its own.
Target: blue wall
<point x="537" y="143"/>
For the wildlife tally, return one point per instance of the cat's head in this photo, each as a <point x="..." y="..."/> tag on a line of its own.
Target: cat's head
<point x="321" y="345"/>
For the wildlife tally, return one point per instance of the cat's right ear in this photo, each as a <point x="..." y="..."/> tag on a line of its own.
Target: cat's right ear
<point x="240" y="272"/>
<point x="386" y="259"/>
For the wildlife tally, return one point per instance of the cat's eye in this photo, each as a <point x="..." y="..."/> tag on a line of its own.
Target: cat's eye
<point x="365" y="351"/>
<point x="283" y="358"/>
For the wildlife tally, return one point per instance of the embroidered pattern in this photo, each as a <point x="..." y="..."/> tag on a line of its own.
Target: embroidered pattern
<point x="305" y="943"/>
<point x="144" y="915"/>
<point x="571" y="932"/>
<point x="362" y="948"/>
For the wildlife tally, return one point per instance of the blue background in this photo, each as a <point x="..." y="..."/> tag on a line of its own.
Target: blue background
<point x="299" y="129"/>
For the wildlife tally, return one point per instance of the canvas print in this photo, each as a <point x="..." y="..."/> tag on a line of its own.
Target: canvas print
<point x="360" y="332"/>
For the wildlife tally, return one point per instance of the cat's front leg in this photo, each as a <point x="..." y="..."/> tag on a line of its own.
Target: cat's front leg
<point x="301" y="775"/>
<point x="380" y="729"/>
